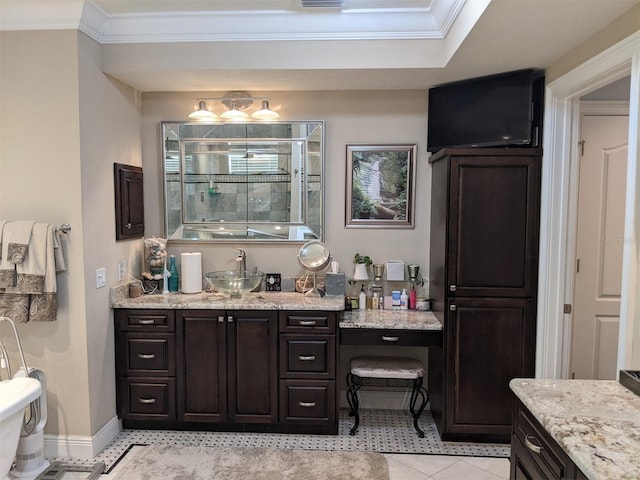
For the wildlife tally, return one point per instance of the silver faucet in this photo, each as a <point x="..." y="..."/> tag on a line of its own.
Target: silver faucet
<point x="242" y="261"/>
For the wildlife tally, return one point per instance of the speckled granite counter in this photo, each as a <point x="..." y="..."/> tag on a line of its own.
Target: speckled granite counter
<point x="596" y="422"/>
<point x="218" y="301"/>
<point x="390" y="319"/>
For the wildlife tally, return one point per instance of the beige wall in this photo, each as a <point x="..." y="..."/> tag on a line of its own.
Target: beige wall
<point x="608" y="36"/>
<point x="373" y="117"/>
<point x="62" y="125"/>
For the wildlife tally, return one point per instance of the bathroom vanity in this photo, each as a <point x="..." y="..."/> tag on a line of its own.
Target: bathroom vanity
<point x="574" y="429"/>
<point x="265" y="363"/>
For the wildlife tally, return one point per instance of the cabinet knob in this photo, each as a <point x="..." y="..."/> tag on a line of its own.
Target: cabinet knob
<point x="129" y="226"/>
<point x="230" y="318"/>
<point x="452" y="288"/>
<point x="452" y="308"/>
<point x="531" y="445"/>
<point x="221" y="318"/>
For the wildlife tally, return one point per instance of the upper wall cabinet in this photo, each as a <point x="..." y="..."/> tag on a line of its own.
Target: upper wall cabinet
<point x="251" y="182"/>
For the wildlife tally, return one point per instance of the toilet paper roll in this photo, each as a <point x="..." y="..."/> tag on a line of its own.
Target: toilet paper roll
<point x="191" y="272"/>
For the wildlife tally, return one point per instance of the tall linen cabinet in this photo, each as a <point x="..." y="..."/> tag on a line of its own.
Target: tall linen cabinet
<point x="485" y="216"/>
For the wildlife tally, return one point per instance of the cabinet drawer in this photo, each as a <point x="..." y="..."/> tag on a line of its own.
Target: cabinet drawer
<point x="148" y="398"/>
<point x="544" y="451"/>
<point x="146" y="320"/>
<point x="150" y="355"/>
<point x="309" y="402"/>
<point x="305" y="322"/>
<point x="390" y="337"/>
<point x="307" y="356"/>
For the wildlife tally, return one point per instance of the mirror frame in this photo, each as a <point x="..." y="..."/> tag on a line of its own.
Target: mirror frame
<point x="167" y="132"/>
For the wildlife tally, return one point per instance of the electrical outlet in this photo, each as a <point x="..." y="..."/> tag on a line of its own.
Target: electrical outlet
<point x="122" y="269"/>
<point x="101" y="277"/>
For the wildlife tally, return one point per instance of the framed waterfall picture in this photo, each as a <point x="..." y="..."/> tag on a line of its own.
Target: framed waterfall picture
<point x="380" y="186"/>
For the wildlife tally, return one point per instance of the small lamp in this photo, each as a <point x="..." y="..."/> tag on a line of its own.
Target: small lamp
<point x="234" y="113"/>
<point x="265" y="113"/>
<point x="202" y="113"/>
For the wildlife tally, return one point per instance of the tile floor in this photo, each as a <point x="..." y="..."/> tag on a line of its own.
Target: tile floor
<point x="386" y="431"/>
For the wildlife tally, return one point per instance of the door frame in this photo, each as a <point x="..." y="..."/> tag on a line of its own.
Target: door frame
<point x="561" y="121"/>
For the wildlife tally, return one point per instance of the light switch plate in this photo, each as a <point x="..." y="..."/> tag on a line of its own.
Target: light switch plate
<point x="101" y="277"/>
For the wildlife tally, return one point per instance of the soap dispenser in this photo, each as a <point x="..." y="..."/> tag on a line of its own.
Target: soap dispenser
<point x="404" y="300"/>
<point x="362" y="299"/>
<point x="173" y="272"/>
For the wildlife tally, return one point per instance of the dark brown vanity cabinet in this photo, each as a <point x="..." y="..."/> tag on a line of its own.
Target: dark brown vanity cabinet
<point x="255" y="370"/>
<point x="129" y="201"/>
<point x="308" y="392"/>
<point x="483" y="282"/>
<point x="228" y="372"/>
<point x="535" y="455"/>
<point x="145" y="365"/>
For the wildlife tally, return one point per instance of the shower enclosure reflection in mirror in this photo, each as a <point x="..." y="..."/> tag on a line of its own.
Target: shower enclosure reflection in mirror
<point x="248" y="182"/>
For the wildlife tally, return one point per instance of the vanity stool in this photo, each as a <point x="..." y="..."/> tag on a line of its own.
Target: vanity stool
<point x="379" y="367"/>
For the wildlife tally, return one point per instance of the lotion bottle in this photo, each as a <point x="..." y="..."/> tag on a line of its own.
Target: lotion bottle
<point x="362" y="299"/>
<point x="404" y="300"/>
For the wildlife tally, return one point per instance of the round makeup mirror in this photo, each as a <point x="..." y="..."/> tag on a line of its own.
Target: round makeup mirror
<point x="313" y="257"/>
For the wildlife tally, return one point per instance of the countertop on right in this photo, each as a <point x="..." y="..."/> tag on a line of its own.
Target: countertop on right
<point x="596" y="422"/>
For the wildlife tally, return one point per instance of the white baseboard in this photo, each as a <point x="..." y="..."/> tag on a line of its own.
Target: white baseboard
<point x="380" y="399"/>
<point x="77" y="446"/>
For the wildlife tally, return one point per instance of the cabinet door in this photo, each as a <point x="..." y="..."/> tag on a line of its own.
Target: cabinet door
<point x="489" y="342"/>
<point x="129" y="201"/>
<point x="202" y="374"/>
<point x="253" y="366"/>
<point x="493" y="226"/>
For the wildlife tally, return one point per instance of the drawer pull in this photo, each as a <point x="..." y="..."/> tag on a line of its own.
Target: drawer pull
<point x="307" y="322"/>
<point x="147" y="321"/>
<point x="532" y="446"/>
<point x="307" y="404"/>
<point x="230" y="318"/>
<point x="389" y="339"/>
<point x="306" y="358"/>
<point x="147" y="356"/>
<point x="220" y="318"/>
<point x="147" y="401"/>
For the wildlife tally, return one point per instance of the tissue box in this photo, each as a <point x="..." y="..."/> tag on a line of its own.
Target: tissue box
<point x="395" y="270"/>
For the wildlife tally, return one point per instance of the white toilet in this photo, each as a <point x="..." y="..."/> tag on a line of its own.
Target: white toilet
<point x="15" y="395"/>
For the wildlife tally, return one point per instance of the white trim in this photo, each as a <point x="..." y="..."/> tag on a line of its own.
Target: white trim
<point x="562" y="98"/>
<point x="76" y="446"/>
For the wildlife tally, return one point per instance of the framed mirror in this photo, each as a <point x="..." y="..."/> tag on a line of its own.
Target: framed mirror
<point x="249" y="182"/>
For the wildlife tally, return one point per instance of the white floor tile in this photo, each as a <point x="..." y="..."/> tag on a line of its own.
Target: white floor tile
<point x="463" y="470"/>
<point x="401" y="471"/>
<point x="498" y="466"/>
<point x="427" y="464"/>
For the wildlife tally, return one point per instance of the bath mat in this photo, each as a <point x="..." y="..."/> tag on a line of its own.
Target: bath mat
<point x="171" y="462"/>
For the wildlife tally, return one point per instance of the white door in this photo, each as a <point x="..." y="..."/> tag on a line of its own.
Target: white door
<point x="600" y="238"/>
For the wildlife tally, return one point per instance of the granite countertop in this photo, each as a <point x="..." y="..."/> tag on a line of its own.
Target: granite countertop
<point x="219" y="301"/>
<point x="390" y="319"/>
<point x="596" y="422"/>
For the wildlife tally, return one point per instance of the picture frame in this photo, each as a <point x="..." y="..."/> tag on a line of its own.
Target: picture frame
<point x="380" y="186"/>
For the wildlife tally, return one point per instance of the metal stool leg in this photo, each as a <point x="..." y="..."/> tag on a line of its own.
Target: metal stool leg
<point x="354" y="384"/>
<point x="418" y="390"/>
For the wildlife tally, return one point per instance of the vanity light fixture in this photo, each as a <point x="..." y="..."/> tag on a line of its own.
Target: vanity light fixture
<point x="265" y="113"/>
<point x="236" y="103"/>
<point x="203" y="113"/>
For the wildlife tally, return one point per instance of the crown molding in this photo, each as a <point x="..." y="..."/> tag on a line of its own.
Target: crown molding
<point x="432" y="22"/>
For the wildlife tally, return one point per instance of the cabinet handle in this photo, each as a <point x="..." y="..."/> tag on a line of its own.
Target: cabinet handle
<point x="306" y="358"/>
<point x="148" y="321"/>
<point x="307" y="322"/>
<point x="221" y="318"/>
<point x="147" y="356"/>
<point x="452" y="308"/>
<point x="452" y="288"/>
<point x="532" y="446"/>
<point x="230" y="318"/>
<point x="147" y="401"/>
<point x="129" y="226"/>
<point x="389" y="339"/>
<point x="307" y="404"/>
